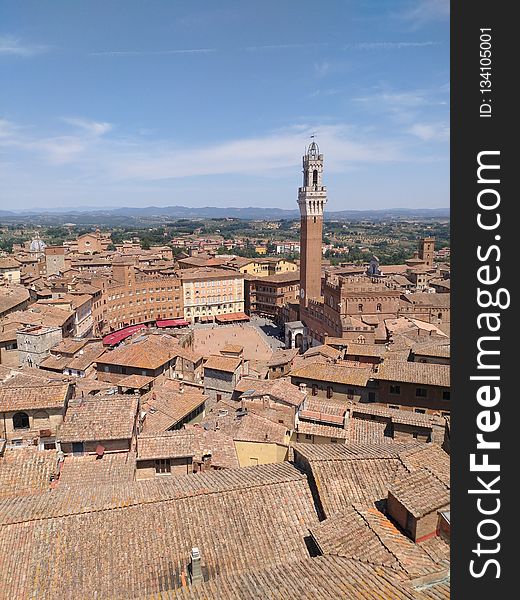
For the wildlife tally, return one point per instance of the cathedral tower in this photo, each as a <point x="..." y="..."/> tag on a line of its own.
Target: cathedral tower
<point x="312" y="197"/>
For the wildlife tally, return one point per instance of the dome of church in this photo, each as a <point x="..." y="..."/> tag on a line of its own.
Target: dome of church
<point x="37" y="245"/>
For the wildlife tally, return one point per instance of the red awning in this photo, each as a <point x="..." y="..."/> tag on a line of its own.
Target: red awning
<point x="172" y="323"/>
<point x="118" y="336"/>
<point x="239" y="316"/>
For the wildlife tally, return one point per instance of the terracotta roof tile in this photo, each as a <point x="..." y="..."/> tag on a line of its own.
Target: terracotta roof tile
<point x="411" y="372"/>
<point x="150" y="353"/>
<point x="320" y="578"/>
<point x="334" y="373"/>
<point x="171" y="444"/>
<point x="281" y="390"/>
<point x="228" y="364"/>
<point x="97" y="418"/>
<point x="130" y="540"/>
<point x="165" y="408"/>
<point x="26" y="471"/>
<point x="34" y="396"/>
<point x="420" y="492"/>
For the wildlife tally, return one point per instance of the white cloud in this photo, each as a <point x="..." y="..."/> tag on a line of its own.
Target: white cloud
<point x="406" y="106"/>
<point x="430" y="132"/>
<point x="322" y="68"/>
<point x="388" y="45"/>
<point x="10" y="45"/>
<point x="153" y="52"/>
<point x="425" y="11"/>
<point x="276" y="151"/>
<point x="118" y="159"/>
<point x="56" y="149"/>
<point x="94" y="128"/>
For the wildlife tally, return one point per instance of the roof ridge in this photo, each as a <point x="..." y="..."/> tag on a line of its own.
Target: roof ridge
<point x="378" y="535"/>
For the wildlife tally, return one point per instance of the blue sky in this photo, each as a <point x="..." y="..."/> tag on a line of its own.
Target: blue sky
<point x="160" y="102"/>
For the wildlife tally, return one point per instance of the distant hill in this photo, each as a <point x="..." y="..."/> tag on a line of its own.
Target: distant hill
<point x="213" y="212"/>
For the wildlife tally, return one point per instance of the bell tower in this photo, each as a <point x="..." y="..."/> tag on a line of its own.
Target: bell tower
<point x="312" y="197"/>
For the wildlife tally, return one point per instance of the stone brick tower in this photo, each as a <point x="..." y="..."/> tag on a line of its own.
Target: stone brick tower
<point x="426" y="250"/>
<point x="312" y="197"/>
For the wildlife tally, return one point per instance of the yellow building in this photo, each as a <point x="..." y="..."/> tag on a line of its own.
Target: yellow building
<point x="209" y="292"/>
<point x="10" y="269"/>
<point x="251" y="453"/>
<point x="265" y="267"/>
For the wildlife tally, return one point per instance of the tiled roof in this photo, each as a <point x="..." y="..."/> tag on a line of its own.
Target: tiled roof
<point x="327" y="351"/>
<point x="135" y="381"/>
<point x="348" y="534"/>
<point x="97" y="418"/>
<point x="149" y="353"/>
<point x="172" y="444"/>
<point x="440" y="350"/>
<point x="405" y="417"/>
<point x="228" y="364"/>
<point x="411" y="372"/>
<point x="35" y="396"/>
<point x="428" y="456"/>
<point x="164" y="408"/>
<point x="320" y="578"/>
<point x="372" y="350"/>
<point x="9" y="262"/>
<point x="420" y="492"/>
<point x="233" y="348"/>
<point x="281" y="390"/>
<point x="69" y="346"/>
<point x="130" y="540"/>
<point x="334" y="373"/>
<point x="437" y="549"/>
<point x="249" y="427"/>
<point x="40" y="314"/>
<point x="328" y="406"/>
<point x="363" y="431"/>
<point x="358" y="473"/>
<point x="26" y="471"/>
<point x="82" y="471"/>
<point x="309" y="428"/>
<point x="424" y="299"/>
<point x="12" y="296"/>
<point x="322" y="417"/>
<point x="84" y="359"/>
<point x="282" y="357"/>
<point x="220" y="446"/>
<point x="54" y="363"/>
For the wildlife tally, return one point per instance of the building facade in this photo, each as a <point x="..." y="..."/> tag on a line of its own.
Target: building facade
<point x="210" y="292"/>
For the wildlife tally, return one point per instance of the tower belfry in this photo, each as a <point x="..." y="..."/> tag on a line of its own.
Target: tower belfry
<point x="312" y="197"/>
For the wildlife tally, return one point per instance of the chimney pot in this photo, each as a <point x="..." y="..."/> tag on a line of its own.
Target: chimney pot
<point x="196" y="569"/>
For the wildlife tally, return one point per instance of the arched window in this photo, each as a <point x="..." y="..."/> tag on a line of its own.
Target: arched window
<point x="360" y="307"/>
<point x="21" y="420"/>
<point x="315" y="177"/>
<point x="361" y="339"/>
<point x="439" y="316"/>
<point x="379" y="308"/>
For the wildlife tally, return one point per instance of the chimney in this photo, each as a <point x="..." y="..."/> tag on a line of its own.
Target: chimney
<point x="196" y="569"/>
<point x="181" y="388"/>
<point x="303" y="388"/>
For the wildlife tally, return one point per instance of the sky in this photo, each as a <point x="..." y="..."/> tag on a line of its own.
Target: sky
<point x="112" y="103"/>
